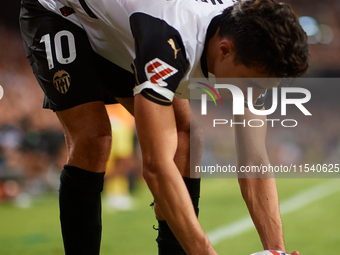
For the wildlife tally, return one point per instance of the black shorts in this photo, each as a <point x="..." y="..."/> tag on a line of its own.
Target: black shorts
<point x="69" y="72"/>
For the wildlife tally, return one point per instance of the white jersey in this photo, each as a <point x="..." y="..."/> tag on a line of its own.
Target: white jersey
<point x="115" y="29"/>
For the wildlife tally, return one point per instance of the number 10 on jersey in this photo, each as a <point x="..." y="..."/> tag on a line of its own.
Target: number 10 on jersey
<point x="58" y="46"/>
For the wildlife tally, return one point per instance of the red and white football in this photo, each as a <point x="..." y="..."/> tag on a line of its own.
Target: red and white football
<point x="269" y="252"/>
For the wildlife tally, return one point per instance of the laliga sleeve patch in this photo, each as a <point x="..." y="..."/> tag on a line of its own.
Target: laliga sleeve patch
<point x="157" y="71"/>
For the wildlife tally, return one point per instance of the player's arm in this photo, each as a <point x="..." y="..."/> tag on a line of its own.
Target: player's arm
<point x="156" y="128"/>
<point x="159" y="66"/>
<point x="260" y="194"/>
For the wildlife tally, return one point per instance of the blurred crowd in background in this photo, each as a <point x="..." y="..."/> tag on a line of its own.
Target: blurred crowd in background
<point x="321" y="21"/>
<point x="32" y="149"/>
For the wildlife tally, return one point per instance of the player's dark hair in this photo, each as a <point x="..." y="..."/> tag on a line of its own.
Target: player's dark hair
<point x="266" y="34"/>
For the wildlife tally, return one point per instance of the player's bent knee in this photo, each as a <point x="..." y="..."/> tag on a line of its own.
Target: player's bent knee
<point x="87" y="131"/>
<point x="90" y="151"/>
<point x="96" y="144"/>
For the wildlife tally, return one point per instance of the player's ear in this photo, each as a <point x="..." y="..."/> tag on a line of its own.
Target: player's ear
<point x="226" y="48"/>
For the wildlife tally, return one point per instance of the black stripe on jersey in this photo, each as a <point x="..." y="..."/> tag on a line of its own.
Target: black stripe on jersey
<point x="212" y="1"/>
<point x="87" y="9"/>
<point x="158" y="99"/>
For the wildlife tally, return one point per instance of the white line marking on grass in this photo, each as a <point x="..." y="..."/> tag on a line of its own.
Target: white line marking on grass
<point x="292" y="204"/>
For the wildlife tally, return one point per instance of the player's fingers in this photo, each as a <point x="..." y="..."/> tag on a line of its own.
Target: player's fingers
<point x="295" y="253"/>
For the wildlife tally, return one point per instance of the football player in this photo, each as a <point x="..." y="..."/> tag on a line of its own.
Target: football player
<point x="167" y="42"/>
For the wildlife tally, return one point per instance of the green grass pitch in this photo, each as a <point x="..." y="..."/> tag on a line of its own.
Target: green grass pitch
<point x="311" y="229"/>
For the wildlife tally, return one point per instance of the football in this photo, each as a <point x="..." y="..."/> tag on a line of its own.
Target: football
<point x="269" y="252"/>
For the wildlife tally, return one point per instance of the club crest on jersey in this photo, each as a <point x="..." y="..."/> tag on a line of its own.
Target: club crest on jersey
<point x="62" y="81"/>
<point x="157" y="71"/>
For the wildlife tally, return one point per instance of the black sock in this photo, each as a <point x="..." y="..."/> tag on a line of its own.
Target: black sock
<point x="194" y="188"/>
<point x="167" y="242"/>
<point x="80" y="210"/>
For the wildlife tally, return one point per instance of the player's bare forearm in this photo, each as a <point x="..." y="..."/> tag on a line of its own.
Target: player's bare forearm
<point x="259" y="191"/>
<point x="157" y="134"/>
<point x="260" y="195"/>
